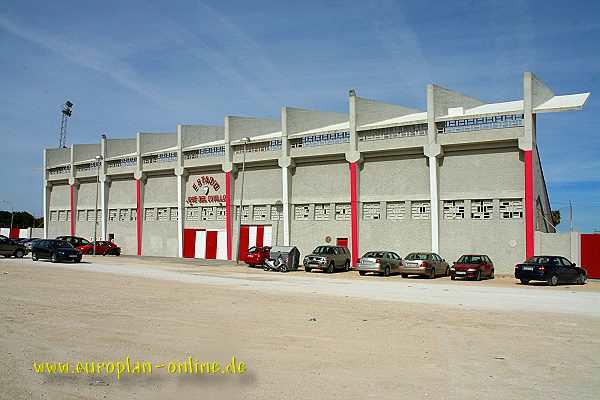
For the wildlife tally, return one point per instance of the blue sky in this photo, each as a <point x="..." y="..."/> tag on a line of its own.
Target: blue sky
<point x="147" y="66"/>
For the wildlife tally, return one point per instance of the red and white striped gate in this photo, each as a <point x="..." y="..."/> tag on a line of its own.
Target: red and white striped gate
<point x="254" y="235"/>
<point x="204" y="243"/>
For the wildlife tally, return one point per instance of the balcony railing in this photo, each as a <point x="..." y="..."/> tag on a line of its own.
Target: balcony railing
<point x="272" y="145"/>
<point x="93" y="166"/>
<point x="214" y="151"/>
<point x="321" y="139"/>
<point x="477" y="124"/>
<point x="122" y="162"/>
<point x="60" y="170"/>
<point x="393" y="132"/>
<point x="160" y="158"/>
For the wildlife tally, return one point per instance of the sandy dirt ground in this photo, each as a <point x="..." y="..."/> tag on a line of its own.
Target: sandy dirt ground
<point x="301" y="335"/>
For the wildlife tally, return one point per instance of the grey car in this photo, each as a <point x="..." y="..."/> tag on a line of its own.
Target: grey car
<point x="9" y="248"/>
<point x="424" y="263"/>
<point x="328" y="258"/>
<point x="380" y="262"/>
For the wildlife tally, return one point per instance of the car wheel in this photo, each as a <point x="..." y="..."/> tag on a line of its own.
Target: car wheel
<point x="524" y="282"/>
<point x="405" y="275"/>
<point x="432" y="274"/>
<point x="362" y="273"/>
<point x="492" y="276"/>
<point x="265" y="268"/>
<point x="347" y="265"/>
<point x="54" y="258"/>
<point x="19" y="253"/>
<point x="386" y="271"/>
<point x="581" y="279"/>
<point x="306" y="269"/>
<point x="34" y="257"/>
<point x="553" y="281"/>
<point x="331" y="268"/>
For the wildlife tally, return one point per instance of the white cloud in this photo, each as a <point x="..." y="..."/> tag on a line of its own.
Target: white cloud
<point x="85" y="56"/>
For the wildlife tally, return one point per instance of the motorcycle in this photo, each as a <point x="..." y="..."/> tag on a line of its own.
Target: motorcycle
<point x="275" y="265"/>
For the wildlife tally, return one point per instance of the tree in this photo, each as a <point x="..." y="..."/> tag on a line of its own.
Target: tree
<point x="555" y="217"/>
<point x="21" y="219"/>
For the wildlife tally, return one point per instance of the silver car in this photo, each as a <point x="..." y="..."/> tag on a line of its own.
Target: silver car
<point x="426" y="264"/>
<point x="380" y="262"/>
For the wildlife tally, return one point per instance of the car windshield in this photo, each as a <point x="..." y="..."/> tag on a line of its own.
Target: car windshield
<point x="469" y="260"/>
<point x="61" y="244"/>
<point x="323" y="250"/>
<point x="417" y="256"/>
<point x="373" y="254"/>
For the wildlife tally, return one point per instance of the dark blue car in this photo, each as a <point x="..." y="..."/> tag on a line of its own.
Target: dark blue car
<point x="551" y="269"/>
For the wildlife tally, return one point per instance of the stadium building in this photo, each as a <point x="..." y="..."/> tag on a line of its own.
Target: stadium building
<point x="460" y="177"/>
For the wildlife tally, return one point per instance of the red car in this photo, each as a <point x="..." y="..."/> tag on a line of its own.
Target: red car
<point x="257" y="255"/>
<point x="472" y="266"/>
<point x="102" y="248"/>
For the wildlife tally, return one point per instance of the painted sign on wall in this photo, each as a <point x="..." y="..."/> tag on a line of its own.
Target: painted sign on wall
<point x="205" y="189"/>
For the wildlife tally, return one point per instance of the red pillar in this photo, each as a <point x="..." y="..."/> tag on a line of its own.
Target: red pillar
<point x="354" y="211"/>
<point x="138" y="218"/>
<point x="228" y="221"/>
<point x="72" y="206"/>
<point x="529" y="206"/>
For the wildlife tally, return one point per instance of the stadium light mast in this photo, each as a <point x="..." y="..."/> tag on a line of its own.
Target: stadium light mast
<point x="65" y="115"/>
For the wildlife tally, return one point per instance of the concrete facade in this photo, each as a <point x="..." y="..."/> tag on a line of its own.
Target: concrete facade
<point x="461" y="176"/>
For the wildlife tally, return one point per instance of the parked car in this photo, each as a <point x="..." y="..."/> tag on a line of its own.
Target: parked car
<point x="426" y="264"/>
<point x="103" y="248"/>
<point x="55" y="250"/>
<point x="380" y="262"/>
<point x="472" y="266"/>
<point x="257" y="255"/>
<point x="551" y="269"/>
<point x="27" y="243"/>
<point x="76" y="241"/>
<point x="328" y="258"/>
<point x="10" y="248"/>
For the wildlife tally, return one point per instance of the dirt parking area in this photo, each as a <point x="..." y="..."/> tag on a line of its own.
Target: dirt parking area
<point x="301" y="335"/>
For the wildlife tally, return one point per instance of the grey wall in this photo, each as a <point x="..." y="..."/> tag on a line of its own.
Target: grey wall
<point x="85" y="152"/>
<point x="121" y="195"/>
<point x="543" y="214"/>
<point x="59" y="202"/>
<point x="394" y="178"/>
<point x="369" y="111"/>
<point x="118" y="147"/>
<point x="197" y="134"/>
<point x="157" y="141"/>
<point x="300" y="120"/>
<point x="159" y="238"/>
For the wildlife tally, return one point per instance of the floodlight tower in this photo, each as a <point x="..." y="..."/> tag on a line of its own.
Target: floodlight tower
<point x="65" y="114"/>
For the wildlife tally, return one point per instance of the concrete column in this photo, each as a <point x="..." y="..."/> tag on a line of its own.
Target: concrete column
<point x="435" y="203"/>
<point x="432" y="151"/>
<point x="104" y="190"/>
<point x="46" y="195"/>
<point x="46" y="201"/>
<point x="286" y="165"/>
<point x="139" y="190"/>
<point x="181" y="177"/>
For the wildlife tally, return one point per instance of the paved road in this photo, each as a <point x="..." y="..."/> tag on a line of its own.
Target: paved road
<point x="530" y="299"/>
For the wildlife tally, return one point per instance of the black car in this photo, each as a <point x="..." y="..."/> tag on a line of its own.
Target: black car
<point x="55" y="250"/>
<point x="9" y="248"/>
<point x="551" y="269"/>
